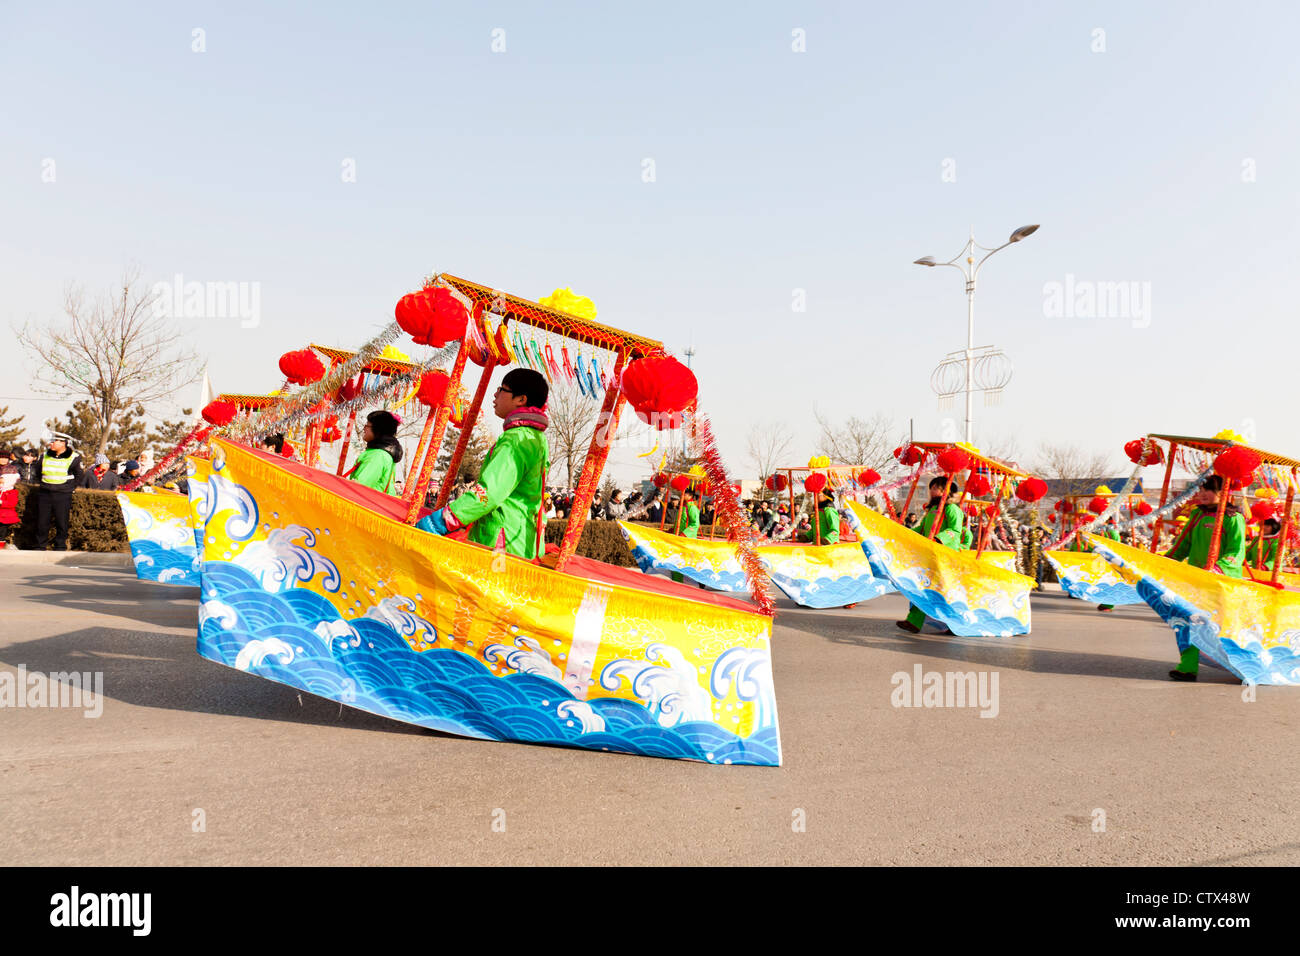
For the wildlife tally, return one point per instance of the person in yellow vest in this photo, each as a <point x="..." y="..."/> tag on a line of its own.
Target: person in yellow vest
<point x="60" y="474"/>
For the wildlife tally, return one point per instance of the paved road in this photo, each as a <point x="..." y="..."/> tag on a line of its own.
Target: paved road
<point x="1186" y="773"/>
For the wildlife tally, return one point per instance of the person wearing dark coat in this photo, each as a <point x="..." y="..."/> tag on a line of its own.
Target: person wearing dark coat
<point x="60" y="474"/>
<point x="99" y="477"/>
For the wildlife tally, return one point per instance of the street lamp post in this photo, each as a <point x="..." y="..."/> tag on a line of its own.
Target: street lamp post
<point x="971" y="270"/>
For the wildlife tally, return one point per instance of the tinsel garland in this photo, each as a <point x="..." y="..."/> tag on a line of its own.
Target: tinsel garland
<point x="198" y="433"/>
<point x="727" y="507"/>
<point x="1138" y="521"/>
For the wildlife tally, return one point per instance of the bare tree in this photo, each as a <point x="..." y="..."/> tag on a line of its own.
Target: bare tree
<point x="1077" y="470"/>
<point x="573" y="421"/>
<point x="115" y="351"/>
<point x="858" y="441"/>
<point x="769" y="447"/>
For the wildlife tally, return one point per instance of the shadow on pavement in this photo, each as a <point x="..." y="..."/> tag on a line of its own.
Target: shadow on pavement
<point x="165" y="671"/>
<point x="119" y="593"/>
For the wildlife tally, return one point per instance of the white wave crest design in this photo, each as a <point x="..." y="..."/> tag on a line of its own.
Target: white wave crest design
<point x="330" y="631"/>
<point x="138" y="520"/>
<point x="168" y="574"/>
<point x="143" y="561"/>
<point x="672" y="692"/>
<point x="279" y="563"/>
<point x="399" y="613"/>
<point x="749" y="670"/>
<point x="526" y="657"/>
<point x="592" y="722"/>
<point x="224" y="613"/>
<point x="257" y="650"/>
<point x="222" y="494"/>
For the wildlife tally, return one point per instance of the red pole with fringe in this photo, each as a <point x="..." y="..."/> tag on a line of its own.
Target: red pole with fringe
<point x="415" y="494"/>
<point x="466" y="430"/>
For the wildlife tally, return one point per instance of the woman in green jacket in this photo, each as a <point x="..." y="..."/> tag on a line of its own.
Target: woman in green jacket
<point x="828" y="520"/>
<point x="949" y="535"/>
<point x="376" y="465"/>
<point x="1193" y="546"/>
<point x="1268" y="537"/>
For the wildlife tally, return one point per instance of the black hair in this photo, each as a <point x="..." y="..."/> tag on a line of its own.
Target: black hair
<point x="937" y="482"/>
<point x="1277" y="525"/>
<point x="528" y="383"/>
<point x="1213" y="483"/>
<point x="382" y="423"/>
<point x="275" y="442"/>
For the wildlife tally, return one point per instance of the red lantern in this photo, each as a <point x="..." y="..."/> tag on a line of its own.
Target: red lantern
<point x="1062" y="505"/>
<point x="868" y="478"/>
<point x="1263" y="510"/>
<point x="433" y="386"/>
<point x="1154" y="454"/>
<point x="680" y="482"/>
<point x="777" y="482"/>
<point x="1052" y="517"/>
<point x="349" y="390"/>
<point x="1237" y="464"/>
<point x="432" y="316"/>
<point x="1031" y="489"/>
<point x="953" y="460"/>
<point x="972" y="511"/>
<point x="977" y="485"/>
<point x="658" y="384"/>
<point x="814" y="482"/>
<point x="1098" y="504"/>
<point x="301" y="367"/>
<point x="909" y="454"/>
<point x="660" y="480"/>
<point x="663" y="421"/>
<point x="1144" y="508"/>
<point x="219" y="413"/>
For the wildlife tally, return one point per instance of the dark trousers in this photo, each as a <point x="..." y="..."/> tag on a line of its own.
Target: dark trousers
<point x="56" y="505"/>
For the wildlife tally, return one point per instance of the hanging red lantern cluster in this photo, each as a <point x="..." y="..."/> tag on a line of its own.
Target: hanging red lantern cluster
<point x="1263" y="510"/>
<point x="1062" y="505"/>
<point x="1052" y="517"/>
<point x="301" y="367"/>
<point x="220" y="413"/>
<point x="433" y="386"/>
<point x="777" y="482"/>
<point x="680" y="482"/>
<point x="909" y="454"/>
<point x="1154" y="454"/>
<point x="814" y="482"/>
<point x="659" y="388"/>
<point x="978" y="484"/>
<point x="1237" y="464"/>
<point x="660" y="480"/>
<point x="1144" y="508"/>
<point x="1031" y="489"/>
<point x="432" y="316"/>
<point x="1098" y="504"/>
<point x="953" y="460"/>
<point x="349" y="390"/>
<point x="868" y="477"/>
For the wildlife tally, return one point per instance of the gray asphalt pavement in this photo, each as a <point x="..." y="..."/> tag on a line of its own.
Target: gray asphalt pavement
<point x="1088" y="731"/>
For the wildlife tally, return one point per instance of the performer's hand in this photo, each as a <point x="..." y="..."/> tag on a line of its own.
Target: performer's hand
<point x="435" y="522"/>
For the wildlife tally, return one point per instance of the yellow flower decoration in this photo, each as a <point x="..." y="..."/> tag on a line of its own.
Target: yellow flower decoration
<point x="1103" y="490"/>
<point x="566" y="300"/>
<point x="394" y="354"/>
<point x="970" y="448"/>
<point x="696" y="471"/>
<point x="819" y="461"/>
<point x="1229" y="435"/>
<point x="1266" y="493"/>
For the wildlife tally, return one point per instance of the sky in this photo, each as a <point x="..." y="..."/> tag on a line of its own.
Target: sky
<point x="803" y="155"/>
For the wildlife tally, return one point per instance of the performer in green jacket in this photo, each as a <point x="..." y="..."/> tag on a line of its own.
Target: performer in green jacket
<point x="1269" y="531"/>
<point x="949" y="535"/>
<point x="503" y="505"/>
<point x="1193" y="546"/>
<point x="691" y="526"/>
<point x="376" y="465"/>
<point x="828" y="519"/>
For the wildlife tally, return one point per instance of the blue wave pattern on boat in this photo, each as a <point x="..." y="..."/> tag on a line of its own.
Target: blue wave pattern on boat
<point x="165" y="565"/>
<point x="731" y="582"/>
<point x="255" y="617"/>
<point x="1116" y="594"/>
<point x="1194" y="626"/>
<point x="957" y="615"/>
<point x="832" y="592"/>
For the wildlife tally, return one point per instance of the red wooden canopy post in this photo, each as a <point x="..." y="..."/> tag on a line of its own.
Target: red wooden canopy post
<point x="920" y="465"/>
<point x="943" y="503"/>
<point x="1164" y="497"/>
<point x="439" y="417"/>
<point x="466" y="430"/>
<point x="1280" y="555"/>
<point x="789" y="478"/>
<point x="597" y="453"/>
<point x="1211" y="559"/>
<point x="993" y="516"/>
<point x="347" y="440"/>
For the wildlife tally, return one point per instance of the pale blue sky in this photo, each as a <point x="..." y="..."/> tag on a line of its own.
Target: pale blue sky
<point x="775" y="170"/>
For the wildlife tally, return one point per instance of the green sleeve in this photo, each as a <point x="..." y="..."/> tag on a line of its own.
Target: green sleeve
<point x="1232" y="545"/>
<point x="500" y="476"/>
<point x="1180" y="550"/>
<point x="374" y="469"/>
<point x="830" y="529"/>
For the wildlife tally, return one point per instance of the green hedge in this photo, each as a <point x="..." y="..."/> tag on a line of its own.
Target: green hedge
<point x="600" y="541"/>
<point x="95" y="523"/>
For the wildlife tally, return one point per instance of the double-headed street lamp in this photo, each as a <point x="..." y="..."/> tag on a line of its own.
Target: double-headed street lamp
<point x="994" y="368"/>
